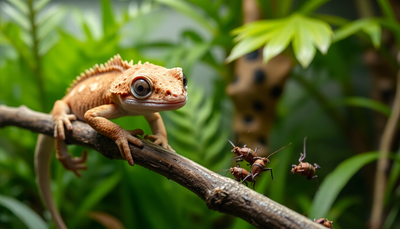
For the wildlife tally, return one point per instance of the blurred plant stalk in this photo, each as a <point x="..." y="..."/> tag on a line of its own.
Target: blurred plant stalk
<point x="383" y="162"/>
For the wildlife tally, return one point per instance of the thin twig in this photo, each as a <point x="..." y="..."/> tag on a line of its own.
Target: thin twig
<point x="219" y="193"/>
<point x="383" y="162"/>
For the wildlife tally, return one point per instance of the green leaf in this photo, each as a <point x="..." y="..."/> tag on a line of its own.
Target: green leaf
<point x="15" y="15"/>
<point x="305" y="33"/>
<point x="366" y="103"/>
<point x="109" y="24"/>
<point x="49" y="14"/>
<point x="310" y="6"/>
<point x="256" y="28"/>
<point x="204" y="113"/>
<point x="38" y="5"/>
<point x="30" y="218"/>
<point x="185" y="8"/>
<point x="321" y="33"/>
<point x="336" y="180"/>
<point x="48" y="42"/>
<point x="21" y="5"/>
<point x="196" y="53"/>
<point x="278" y="43"/>
<point x="369" y="25"/>
<point x="246" y="46"/>
<point x="303" y="46"/>
<point x="393" y="177"/>
<point x="50" y="22"/>
<point x="393" y="214"/>
<point x="277" y="193"/>
<point x="387" y="10"/>
<point x="211" y="128"/>
<point x="342" y="204"/>
<point x="98" y="193"/>
<point x="375" y="33"/>
<point x="215" y="148"/>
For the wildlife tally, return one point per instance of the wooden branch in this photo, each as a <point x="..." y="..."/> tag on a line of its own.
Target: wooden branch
<point x="220" y="193"/>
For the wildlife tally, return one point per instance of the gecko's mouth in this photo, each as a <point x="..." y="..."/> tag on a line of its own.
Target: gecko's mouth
<point x="158" y="106"/>
<point x="172" y="105"/>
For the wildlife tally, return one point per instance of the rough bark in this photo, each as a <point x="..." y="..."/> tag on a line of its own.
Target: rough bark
<point x="219" y="193"/>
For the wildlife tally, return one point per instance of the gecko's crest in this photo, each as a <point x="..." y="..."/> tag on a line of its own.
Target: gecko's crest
<point x="114" y="64"/>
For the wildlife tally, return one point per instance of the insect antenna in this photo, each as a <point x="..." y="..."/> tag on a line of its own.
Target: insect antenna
<point x="243" y="136"/>
<point x="233" y="145"/>
<point x="227" y="170"/>
<point x="278" y="150"/>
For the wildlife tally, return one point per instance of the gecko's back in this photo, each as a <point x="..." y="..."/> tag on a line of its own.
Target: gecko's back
<point x="91" y="92"/>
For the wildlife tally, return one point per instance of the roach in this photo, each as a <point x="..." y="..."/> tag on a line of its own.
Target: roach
<point x="325" y="222"/>
<point x="304" y="168"/>
<point x="259" y="165"/>
<point x="244" y="153"/>
<point x="242" y="174"/>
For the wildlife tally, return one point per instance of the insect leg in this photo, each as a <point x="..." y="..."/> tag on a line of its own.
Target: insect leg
<point x="246" y="178"/>
<point x="272" y="176"/>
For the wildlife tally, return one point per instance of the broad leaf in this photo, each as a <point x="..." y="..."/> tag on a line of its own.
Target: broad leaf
<point x="187" y="9"/>
<point x="109" y="24"/>
<point x="366" y="103"/>
<point x="28" y="216"/>
<point x="370" y="26"/>
<point x="98" y="193"/>
<point x="335" y="181"/>
<point x="21" y="5"/>
<point x="393" y="178"/>
<point x="38" y="5"/>
<point x="305" y="33"/>
<point x="16" y="15"/>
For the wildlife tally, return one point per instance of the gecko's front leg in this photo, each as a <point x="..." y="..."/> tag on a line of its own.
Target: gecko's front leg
<point x="98" y="119"/>
<point x="159" y="136"/>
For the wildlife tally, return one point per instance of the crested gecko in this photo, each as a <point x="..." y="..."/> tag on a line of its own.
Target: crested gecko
<point x="109" y="91"/>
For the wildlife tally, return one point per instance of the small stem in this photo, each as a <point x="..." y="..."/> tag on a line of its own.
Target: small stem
<point x="37" y="69"/>
<point x="383" y="162"/>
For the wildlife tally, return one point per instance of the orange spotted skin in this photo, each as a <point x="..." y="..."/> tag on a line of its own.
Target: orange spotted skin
<point x="111" y="90"/>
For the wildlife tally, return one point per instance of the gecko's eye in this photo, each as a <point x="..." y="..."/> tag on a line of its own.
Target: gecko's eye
<point x="141" y="88"/>
<point x="184" y="82"/>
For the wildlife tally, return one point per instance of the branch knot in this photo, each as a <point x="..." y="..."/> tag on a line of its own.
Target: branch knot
<point x="217" y="197"/>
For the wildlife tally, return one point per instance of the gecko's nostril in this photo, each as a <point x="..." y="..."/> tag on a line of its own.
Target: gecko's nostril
<point x="168" y="93"/>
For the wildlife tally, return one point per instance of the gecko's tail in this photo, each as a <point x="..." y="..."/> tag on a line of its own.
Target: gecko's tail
<point x="43" y="153"/>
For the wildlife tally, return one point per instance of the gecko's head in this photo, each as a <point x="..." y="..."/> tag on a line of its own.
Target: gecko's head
<point x="151" y="87"/>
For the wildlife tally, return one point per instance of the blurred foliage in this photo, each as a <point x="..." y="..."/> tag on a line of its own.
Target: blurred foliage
<point x="299" y="29"/>
<point x="40" y="54"/>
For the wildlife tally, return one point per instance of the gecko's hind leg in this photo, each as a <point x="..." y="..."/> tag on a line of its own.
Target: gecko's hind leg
<point x="71" y="163"/>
